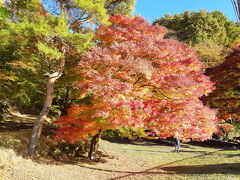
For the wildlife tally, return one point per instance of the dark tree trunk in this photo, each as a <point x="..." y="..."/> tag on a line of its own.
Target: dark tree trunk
<point x="64" y="105"/>
<point x="94" y="144"/>
<point x="38" y="124"/>
<point x="67" y="95"/>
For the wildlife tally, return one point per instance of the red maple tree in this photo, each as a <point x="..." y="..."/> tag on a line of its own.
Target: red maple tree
<point x="226" y="97"/>
<point x="137" y="78"/>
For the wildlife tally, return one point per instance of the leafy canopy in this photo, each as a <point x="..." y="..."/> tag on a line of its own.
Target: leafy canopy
<point x="136" y="78"/>
<point x="31" y="33"/>
<point x="226" y="97"/>
<point x="196" y="27"/>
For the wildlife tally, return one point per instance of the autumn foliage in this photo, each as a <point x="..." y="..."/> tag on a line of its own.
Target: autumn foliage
<point x="227" y="79"/>
<point x="136" y="78"/>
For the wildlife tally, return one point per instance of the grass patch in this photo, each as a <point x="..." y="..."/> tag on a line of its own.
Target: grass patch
<point x="122" y="160"/>
<point x="158" y="161"/>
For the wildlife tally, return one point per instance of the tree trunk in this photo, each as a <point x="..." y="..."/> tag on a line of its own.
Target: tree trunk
<point x="65" y="104"/>
<point x="94" y="144"/>
<point x="38" y="124"/>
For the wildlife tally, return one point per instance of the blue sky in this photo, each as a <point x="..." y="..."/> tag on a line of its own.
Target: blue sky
<point x="152" y="9"/>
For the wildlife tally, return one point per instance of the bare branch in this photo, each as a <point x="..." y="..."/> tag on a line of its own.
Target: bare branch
<point x="138" y="79"/>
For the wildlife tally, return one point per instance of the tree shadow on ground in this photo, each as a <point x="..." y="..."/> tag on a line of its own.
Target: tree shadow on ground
<point x="224" y="168"/>
<point x="167" y="151"/>
<point x="13" y="126"/>
<point x="150" y="151"/>
<point x="233" y="155"/>
<point x="63" y="159"/>
<point x="170" y="142"/>
<point x="163" y="171"/>
<point x="118" y="171"/>
<point x="147" y="142"/>
<point x="216" y="144"/>
<point x="183" y="151"/>
<point x="140" y="142"/>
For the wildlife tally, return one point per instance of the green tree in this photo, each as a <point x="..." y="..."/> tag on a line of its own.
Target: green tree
<point x="5" y="73"/>
<point x="125" y="7"/>
<point x="211" y="54"/>
<point x="210" y="33"/>
<point x="25" y="89"/>
<point x="40" y="41"/>
<point x="196" y="27"/>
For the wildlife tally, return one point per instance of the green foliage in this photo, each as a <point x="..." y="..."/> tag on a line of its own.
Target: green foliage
<point x="211" y="54"/>
<point x="111" y="133"/>
<point x="124" y="133"/>
<point x="132" y="133"/>
<point x="3" y="12"/>
<point x="125" y="7"/>
<point x="196" y="27"/>
<point x="24" y="4"/>
<point x="31" y="47"/>
<point x="51" y="53"/>
<point x="210" y="33"/>
<point x="76" y="40"/>
<point x="95" y="8"/>
<point x="30" y="32"/>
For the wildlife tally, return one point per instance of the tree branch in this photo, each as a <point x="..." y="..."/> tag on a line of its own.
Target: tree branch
<point x="111" y="3"/>
<point x="138" y="79"/>
<point x="158" y="89"/>
<point x="80" y="21"/>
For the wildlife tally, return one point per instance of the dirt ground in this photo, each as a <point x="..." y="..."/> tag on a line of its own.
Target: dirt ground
<point x="138" y="160"/>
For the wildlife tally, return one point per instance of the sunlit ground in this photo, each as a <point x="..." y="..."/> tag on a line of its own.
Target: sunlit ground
<point x="138" y="160"/>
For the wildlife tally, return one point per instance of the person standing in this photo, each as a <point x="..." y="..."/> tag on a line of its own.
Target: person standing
<point x="177" y="145"/>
